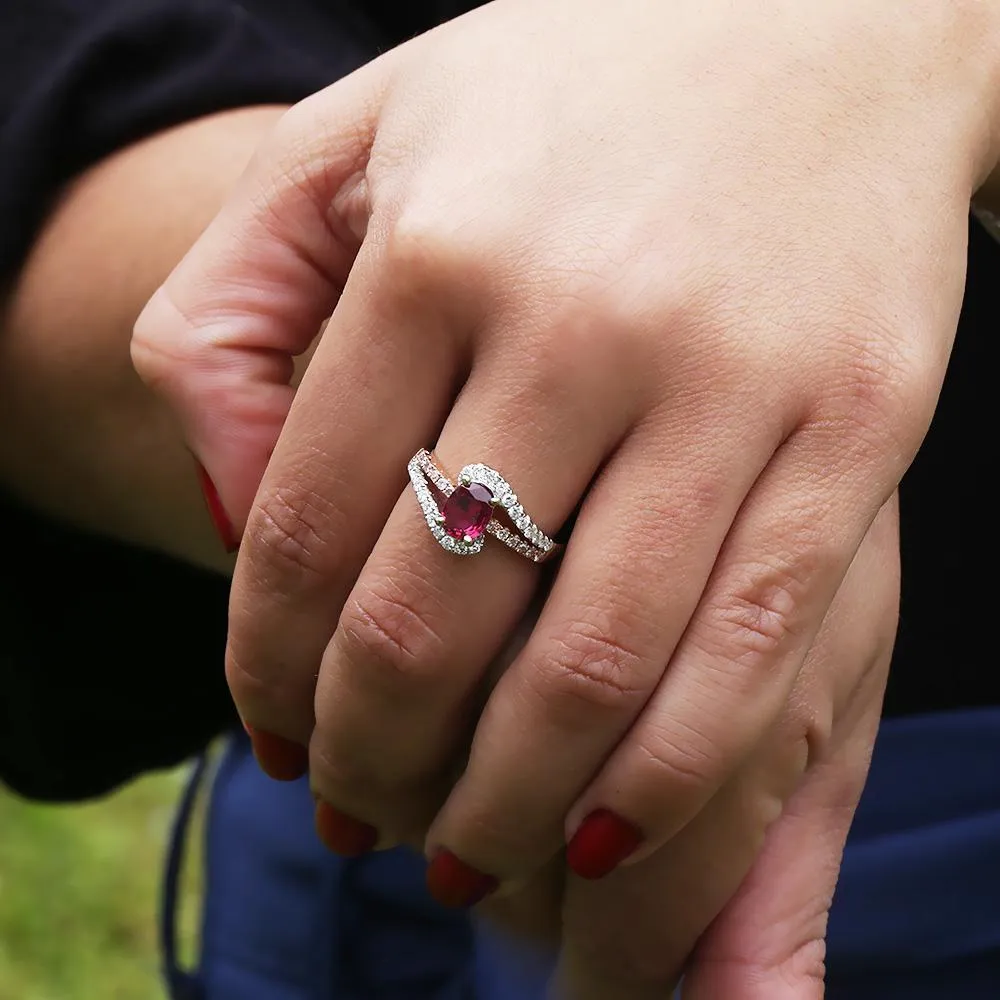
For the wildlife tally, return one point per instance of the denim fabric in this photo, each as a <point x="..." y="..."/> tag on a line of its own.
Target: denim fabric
<point x="917" y="913"/>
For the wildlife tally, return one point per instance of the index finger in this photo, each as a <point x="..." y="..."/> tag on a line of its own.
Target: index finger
<point x="218" y="338"/>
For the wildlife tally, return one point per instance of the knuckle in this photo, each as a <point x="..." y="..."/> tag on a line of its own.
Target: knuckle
<point x="801" y="973"/>
<point x="680" y="757"/>
<point x="582" y="351"/>
<point x="806" y="966"/>
<point x="247" y="687"/>
<point x="298" y="171"/>
<point x="247" y="683"/>
<point x="294" y="533"/>
<point x="423" y="254"/>
<point x="395" y="628"/>
<point x="267" y="690"/>
<point x="339" y="776"/>
<point x="763" y="612"/>
<point x="587" y="668"/>
<point x="884" y="392"/>
<point x="799" y="735"/>
<point x="806" y="728"/>
<point x="161" y="346"/>
<point x="290" y="157"/>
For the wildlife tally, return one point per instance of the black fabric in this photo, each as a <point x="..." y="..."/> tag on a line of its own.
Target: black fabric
<point x="945" y="656"/>
<point x="398" y="21"/>
<point x="111" y="658"/>
<point x="81" y="78"/>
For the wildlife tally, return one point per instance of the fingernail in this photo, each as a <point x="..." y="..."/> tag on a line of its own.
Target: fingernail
<point x="343" y="834"/>
<point x="220" y="519"/>
<point x="455" y="884"/>
<point x="277" y="757"/>
<point x="601" y="843"/>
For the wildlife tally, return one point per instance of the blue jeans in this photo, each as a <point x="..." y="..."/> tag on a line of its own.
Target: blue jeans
<point x="916" y="916"/>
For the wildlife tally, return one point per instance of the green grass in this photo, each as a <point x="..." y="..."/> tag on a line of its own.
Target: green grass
<point x="78" y="894"/>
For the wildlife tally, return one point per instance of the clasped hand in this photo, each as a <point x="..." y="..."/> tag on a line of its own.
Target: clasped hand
<point x="689" y="270"/>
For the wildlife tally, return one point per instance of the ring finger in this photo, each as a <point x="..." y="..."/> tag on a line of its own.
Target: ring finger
<point x="422" y="624"/>
<point x="642" y="548"/>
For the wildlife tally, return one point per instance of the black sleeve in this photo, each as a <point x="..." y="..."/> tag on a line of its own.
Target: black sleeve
<point x="82" y="78"/>
<point x="111" y="659"/>
<point x="945" y="655"/>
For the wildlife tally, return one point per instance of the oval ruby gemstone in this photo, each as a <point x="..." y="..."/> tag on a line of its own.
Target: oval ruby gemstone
<point x="467" y="511"/>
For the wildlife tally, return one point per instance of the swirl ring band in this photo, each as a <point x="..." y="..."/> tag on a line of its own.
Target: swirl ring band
<point x="472" y="510"/>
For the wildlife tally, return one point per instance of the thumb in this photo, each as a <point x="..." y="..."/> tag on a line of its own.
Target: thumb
<point x="769" y="941"/>
<point x="218" y="338"/>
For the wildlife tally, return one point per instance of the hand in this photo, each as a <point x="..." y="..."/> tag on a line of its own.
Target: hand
<point x="729" y="244"/>
<point x="693" y="905"/>
<point x="84" y="440"/>
<point x="628" y="936"/>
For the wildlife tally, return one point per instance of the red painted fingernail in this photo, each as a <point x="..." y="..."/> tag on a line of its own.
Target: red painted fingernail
<point x="454" y="883"/>
<point x="277" y="757"/>
<point x="220" y="519"/>
<point x="602" y="842"/>
<point x="343" y="834"/>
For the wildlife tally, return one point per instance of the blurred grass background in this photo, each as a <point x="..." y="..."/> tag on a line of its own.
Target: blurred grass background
<point x="79" y="889"/>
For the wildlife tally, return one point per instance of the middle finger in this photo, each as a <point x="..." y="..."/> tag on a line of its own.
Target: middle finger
<point x="416" y="634"/>
<point x="643" y="547"/>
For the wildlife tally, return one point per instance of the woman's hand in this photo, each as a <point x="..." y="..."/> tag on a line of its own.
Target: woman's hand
<point x="696" y="266"/>
<point x="739" y="899"/>
<point x="83" y="439"/>
<point x="758" y="866"/>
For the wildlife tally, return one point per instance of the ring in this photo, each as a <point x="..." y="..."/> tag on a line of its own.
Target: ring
<point x="472" y="509"/>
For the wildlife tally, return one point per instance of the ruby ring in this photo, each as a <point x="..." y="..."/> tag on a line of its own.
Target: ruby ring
<point x="483" y="503"/>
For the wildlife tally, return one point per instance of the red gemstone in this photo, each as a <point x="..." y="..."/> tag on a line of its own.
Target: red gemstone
<point x="467" y="511"/>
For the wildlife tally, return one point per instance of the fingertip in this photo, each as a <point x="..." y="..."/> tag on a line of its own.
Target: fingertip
<point x="216" y="511"/>
<point x="457" y="885"/>
<point x="277" y="757"/>
<point x="602" y="842"/>
<point x="343" y="834"/>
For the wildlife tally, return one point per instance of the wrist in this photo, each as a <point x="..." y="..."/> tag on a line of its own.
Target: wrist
<point x="978" y="41"/>
<point x="93" y="446"/>
<point x="954" y="69"/>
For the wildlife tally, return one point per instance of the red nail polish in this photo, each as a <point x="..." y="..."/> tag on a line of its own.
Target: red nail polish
<point x="455" y="884"/>
<point x="277" y="757"/>
<point x="601" y="843"/>
<point x="220" y="519"/>
<point x="343" y="834"/>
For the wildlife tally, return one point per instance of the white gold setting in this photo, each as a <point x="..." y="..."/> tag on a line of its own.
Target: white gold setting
<point x="523" y="535"/>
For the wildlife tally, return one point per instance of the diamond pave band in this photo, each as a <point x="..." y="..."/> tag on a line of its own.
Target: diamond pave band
<point x="470" y="510"/>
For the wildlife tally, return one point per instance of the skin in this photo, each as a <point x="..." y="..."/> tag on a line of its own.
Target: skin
<point x="739" y="899"/>
<point x="738" y="321"/>
<point x="103" y="451"/>
<point x="114" y="235"/>
<point x="731" y="243"/>
<point x="220" y="347"/>
<point x="65" y="337"/>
